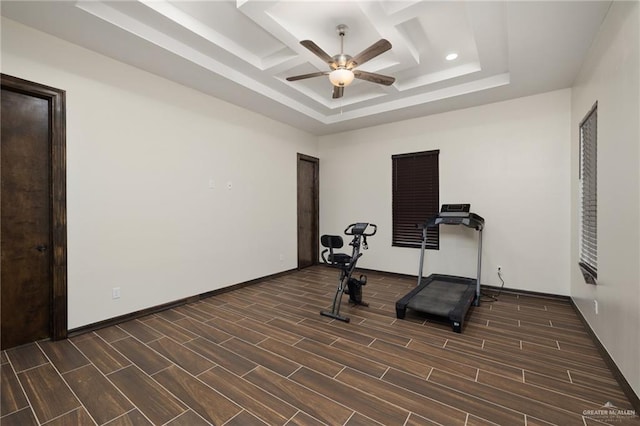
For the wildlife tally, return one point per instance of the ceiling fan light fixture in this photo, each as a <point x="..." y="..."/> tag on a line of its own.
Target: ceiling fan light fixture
<point x="341" y="77"/>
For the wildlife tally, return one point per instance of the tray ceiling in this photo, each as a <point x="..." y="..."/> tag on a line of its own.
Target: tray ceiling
<point x="242" y="51"/>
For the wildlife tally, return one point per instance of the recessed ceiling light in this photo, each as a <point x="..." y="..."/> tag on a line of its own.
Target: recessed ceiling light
<point x="451" y="56"/>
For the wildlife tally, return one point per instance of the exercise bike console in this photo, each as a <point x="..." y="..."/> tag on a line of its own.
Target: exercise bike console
<point x="347" y="263"/>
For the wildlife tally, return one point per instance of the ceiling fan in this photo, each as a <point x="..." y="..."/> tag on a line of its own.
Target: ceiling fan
<point x="343" y="66"/>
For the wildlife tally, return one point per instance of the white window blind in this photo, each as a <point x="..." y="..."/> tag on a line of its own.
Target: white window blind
<point x="588" y="261"/>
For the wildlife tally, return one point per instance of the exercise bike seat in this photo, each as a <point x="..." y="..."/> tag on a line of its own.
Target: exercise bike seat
<point x="334" y="259"/>
<point x="340" y="258"/>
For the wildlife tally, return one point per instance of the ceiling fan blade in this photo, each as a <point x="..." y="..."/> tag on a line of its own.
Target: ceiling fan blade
<point x="316" y="50"/>
<point x="374" y="77"/>
<point x="338" y="91"/>
<point x="303" y="76"/>
<point x="370" y="52"/>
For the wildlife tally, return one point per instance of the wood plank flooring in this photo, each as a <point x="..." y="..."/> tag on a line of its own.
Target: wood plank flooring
<point x="263" y="355"/>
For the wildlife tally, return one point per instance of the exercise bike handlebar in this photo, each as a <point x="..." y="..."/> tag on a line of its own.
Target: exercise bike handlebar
<point x="359" y="228"/>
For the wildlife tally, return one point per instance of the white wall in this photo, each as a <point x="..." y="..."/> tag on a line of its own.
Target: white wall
<point x="509" y="160"/>
<point x="141" y="151"/>
<point x="611" y="76"/>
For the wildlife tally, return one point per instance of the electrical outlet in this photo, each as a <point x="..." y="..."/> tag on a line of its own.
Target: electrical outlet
<point x="281" y="257"/>
<point x="115" y="293"/>
<point x="499" y="268"/>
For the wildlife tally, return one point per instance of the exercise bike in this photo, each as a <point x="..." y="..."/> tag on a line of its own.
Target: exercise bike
<point x="347" y="264"/>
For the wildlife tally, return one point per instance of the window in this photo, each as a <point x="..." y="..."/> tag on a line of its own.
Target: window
<point x="588" y="261"/>
<point x="415" y="198"/>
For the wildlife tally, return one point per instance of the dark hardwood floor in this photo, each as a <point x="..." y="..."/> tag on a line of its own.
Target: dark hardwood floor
<point x="263" y="355"/>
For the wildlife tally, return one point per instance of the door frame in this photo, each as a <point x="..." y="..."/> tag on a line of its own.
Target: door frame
<point x="316" y="205"/>
<point x="57" y="194"/>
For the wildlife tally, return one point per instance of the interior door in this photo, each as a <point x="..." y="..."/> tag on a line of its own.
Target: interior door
<point x="308" y="210"/>
<point x="33" y="251"/>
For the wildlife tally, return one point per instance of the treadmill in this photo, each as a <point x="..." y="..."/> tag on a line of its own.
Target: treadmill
<point x="446" y="296"/>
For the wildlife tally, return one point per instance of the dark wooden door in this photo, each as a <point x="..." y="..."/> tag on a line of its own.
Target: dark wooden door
<point x="308" y="206"/>
<point x="28" y="299"/>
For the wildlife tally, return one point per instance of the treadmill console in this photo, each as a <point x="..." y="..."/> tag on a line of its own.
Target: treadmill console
<point x="455" y="210"/>
<point x="457" y="214"/>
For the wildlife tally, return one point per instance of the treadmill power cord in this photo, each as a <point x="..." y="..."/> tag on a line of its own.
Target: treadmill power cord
<point x="494" y="298"/>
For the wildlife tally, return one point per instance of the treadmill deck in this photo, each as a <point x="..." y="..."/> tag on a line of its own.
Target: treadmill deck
<point x="441" y="295"/>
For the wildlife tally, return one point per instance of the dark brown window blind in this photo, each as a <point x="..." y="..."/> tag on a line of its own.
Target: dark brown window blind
<point x="416" y="198"/>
